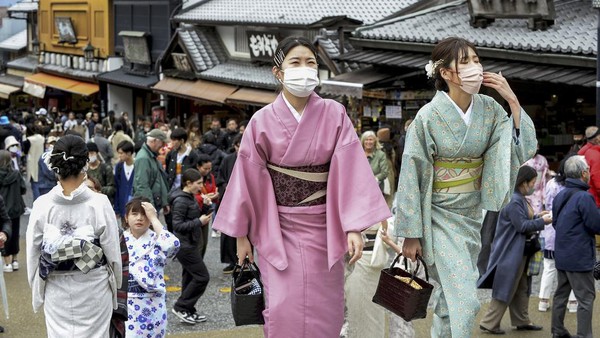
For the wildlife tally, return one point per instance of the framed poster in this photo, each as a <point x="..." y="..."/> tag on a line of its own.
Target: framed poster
<point x="65" y="30"/>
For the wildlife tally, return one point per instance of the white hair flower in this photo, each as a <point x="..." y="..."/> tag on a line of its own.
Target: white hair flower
<point x="431" y="67"/>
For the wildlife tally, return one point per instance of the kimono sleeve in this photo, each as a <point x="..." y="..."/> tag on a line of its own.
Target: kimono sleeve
<point x="415" y="182"/>
<point x="354" y="200"/>
<point x="167" y="244"/>
<point x="504" y="155"/>
<point x="109" y="240"/>
<point x="34" y="237"/>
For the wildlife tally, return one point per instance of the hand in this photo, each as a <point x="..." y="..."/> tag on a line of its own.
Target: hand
<point x="244" y="249"/>
<point x="499" y="83"/>
<point x="384" y="236"/>
<point x="545" y="212"/>
<point x="149" y="211"/>
<point x="547" y="218"/>
<point x="204" y="219"/>
<point x="3" y="239"/>
<point x="412" y="248"/>
<point x="355" y="246"/>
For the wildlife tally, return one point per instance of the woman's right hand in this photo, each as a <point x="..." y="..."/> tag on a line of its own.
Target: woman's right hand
<point x="412" y="248"/>
<point x="547" y="218"/>
<point x="244" y="249"/>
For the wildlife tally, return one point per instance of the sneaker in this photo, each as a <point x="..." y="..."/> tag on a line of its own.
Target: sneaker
<point x="198" y="318"/>
<point x="572" y="306"/>
<point x="543" y="306"/>
<point x="8" y="268"/>
<point x="184" y="316"/>
<point x="229" y="269"/>
<point x="15" y="265"/>
<point x="27" y="211"/>
<point x="215" y="234"/>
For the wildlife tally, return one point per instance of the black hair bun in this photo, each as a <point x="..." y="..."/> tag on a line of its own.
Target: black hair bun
<point x="69" y="156"/>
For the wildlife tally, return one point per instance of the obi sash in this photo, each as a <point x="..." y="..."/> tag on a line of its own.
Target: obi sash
<point x="457" y="175"/>
<point x="299" y="186"/>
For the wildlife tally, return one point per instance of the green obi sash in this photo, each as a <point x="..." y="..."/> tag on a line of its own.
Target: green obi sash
<point x="457" y="175"/>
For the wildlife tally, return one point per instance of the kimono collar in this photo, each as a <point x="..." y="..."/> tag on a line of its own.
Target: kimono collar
<point x="138" y="247"/>
<point x="81" y="194"/>
<point x="296" y="114"/>
<point x="466" y="116"/>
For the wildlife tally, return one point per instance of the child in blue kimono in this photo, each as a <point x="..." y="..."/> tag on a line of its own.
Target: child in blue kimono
<point x="148" y="253"/>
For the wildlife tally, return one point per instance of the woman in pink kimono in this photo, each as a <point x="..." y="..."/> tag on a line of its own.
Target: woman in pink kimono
<point x="298" y="193"/>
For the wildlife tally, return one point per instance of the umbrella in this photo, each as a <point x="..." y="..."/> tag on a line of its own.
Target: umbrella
<point x="3" y="291"/>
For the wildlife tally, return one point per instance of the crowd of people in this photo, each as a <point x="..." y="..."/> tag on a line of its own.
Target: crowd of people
<point x="288" y="190"/>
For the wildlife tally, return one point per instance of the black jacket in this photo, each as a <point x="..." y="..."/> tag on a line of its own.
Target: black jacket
<point x="5" y="222"/>
<point x="225" y="171"/>
<point x="12" y="187"/>
<point x="186" y="218"/>
<point x="189" y="161"/>
<point x="215" y="154"/>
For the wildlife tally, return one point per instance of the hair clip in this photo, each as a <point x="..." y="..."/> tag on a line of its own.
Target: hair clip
<point x="431" y="67"/>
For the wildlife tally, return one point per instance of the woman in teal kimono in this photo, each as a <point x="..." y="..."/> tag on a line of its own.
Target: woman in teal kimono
<point x="462" y="154"/>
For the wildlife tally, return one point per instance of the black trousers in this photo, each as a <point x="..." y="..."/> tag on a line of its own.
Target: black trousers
<point x="194" y="278"/>
<point x="228" y="249"/>
<point x="11" y="247"/>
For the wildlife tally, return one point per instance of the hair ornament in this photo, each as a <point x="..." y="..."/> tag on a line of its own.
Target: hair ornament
<point x="47" y="156"/>
<point x="431" y="67"/>
<point x="279" y="57"/>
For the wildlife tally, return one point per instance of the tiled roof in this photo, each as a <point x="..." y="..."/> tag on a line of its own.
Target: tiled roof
<point x="574" y="31"/>
<point x="120" y="77"/>
<point x="203" y="46"/>
<point x="15" y="43"/>
<point x="330" y="45"/>
<point x="510" y="69"/>
<point x="296" y="13"/>
<point x="24" y="6"/>
<point x="242" y="73"/>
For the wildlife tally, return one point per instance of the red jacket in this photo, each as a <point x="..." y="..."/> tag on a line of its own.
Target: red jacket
<point x="592" y="157"/>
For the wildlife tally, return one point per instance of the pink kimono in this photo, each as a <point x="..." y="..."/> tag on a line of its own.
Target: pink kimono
<point x="300" y="248"/>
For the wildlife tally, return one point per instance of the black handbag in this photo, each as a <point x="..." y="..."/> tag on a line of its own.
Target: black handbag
<point x="400" y="297"/>
<point x="532" y="245"/>
<point x="247" y="295"/>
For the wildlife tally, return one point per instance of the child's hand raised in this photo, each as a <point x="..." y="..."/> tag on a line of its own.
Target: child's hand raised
<point x="150" y="211"/>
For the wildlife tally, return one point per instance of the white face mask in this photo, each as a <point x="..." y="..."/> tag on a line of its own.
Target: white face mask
<point x="300" y="81"/>
<point x="471" y="78"/>
<point x="13" y="149"/>
<point x="93" y="159"/>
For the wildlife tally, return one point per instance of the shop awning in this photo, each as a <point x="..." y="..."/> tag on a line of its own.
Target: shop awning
<point x="195" y="90"/>
<point x="252" y="96"/>
<point x="352" y="83"/>
<point x="68" y="85"/>
<point x="6" y="90"/>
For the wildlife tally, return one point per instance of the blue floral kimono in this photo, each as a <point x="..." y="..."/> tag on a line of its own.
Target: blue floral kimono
<point x="146" y="303"/>
<point x="452" y="170"/>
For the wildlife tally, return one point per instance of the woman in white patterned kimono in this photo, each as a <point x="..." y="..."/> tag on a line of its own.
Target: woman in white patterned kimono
<point x="462" y="154"/>
<point x="73" y="248"/>
<point x="148" y="253"/>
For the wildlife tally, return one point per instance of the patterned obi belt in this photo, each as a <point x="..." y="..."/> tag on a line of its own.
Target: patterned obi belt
<point x="72" y="255"/>
<point x="457" y="175"/>
<point x="299" y="186"/>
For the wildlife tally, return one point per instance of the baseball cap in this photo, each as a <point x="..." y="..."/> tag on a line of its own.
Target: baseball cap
<point x="157" y="134"/>
<point x="42" y="111"/>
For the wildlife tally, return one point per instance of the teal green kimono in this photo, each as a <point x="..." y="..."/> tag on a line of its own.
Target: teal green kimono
<point x="449" y="224"/>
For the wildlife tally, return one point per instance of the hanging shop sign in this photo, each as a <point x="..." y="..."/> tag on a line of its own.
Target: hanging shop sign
<point x="262" y="45"/>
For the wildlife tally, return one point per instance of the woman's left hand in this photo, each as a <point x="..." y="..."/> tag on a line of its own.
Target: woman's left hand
<point x="498" y="82"/>
<point x="150" y="211"/>
<point x="355" y="246"/>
